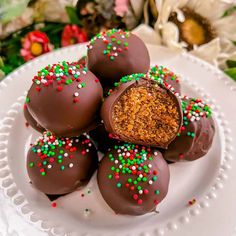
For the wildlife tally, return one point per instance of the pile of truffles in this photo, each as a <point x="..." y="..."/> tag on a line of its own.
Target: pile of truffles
<point x="115" y="103"/>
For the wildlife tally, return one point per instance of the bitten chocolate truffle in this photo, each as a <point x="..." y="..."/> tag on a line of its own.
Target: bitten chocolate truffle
<point x="115" y="53"/>
<point x="60" y="165"/>
<point x="133" y="179"/>
<point x="196" y="135"/>
<point x="160" y="72"/>
<point x="142" y="111"/>
<point x="31" y="121"/>
<point x="65" y="99"/>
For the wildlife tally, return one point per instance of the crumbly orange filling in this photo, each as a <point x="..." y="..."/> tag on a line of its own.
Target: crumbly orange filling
<point x="148" y="114"/>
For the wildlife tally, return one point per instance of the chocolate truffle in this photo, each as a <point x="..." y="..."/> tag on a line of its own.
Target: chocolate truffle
<point x="160" y="72"/>
<point x="133" y="179"/>
<point x="196" y="135"/>
<point x="142" y="111"/>
<point x="115" y="53"/>
<point x="65" y="99"/>
<point x="60" y="165"/>
<point x="82" y="61"/>
<point x="102" y="138"/>
<point x="31" y="121"/>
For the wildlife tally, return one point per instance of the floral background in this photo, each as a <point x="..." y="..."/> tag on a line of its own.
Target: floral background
<point x="205" y="28"/>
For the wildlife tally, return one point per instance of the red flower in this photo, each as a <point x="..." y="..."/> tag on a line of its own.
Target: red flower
<point x="34" y="44"/>
<point x="72" y="34"/>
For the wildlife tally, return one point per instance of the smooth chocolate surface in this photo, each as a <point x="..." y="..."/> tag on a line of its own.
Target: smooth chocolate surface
<point x="133" y="179"/>
<point x="116" y="53"/>
<point x="197" y="133"/>
<point x="65" y="99"/>
<point x="59" y="166"/>
<point x="31" y="121"/>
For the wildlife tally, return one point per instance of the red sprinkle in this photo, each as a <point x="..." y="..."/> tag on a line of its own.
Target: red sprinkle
<point x="54" y="204"/>
<point x="59" y="88"/>
<point x="140" y="201"/>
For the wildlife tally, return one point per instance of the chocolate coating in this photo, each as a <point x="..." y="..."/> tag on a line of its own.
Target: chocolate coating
<point x="116" y="53"/>
<point x="31" y="121"/>
<point x="136" y="81"/>
<point x="66" y="101"/>
<point x="160" y="72"/>
<point x="196" y="136"/>
<point x="82" y="61"/>
<point x="102" y="138"/>
<point x="59" y="166"/>
<point x="133" y="179"/>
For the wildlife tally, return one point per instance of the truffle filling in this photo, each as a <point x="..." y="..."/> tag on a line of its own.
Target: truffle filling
<point x="147" y="114"/>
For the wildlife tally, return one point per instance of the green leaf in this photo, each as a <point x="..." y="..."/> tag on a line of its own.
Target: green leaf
<point x="231" y="63"/>
<point x="231" y="72"/>
<point x="71" y="11"/>
<point x="229" y="11"/>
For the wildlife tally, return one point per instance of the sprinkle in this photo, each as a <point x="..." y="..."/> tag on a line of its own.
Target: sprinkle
<point x="71" y="165"/>
<point x="31" y="164"/>
<point x="54" y="204"/>
<point x="140" y="201"/>
<point x="118" y="185"/>
<point x="157" y="192"/>
<point x="192" y="202"/>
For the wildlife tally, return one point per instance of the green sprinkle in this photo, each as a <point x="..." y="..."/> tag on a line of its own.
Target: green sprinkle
<point x="118" y="185"/>
<point x="157" y="192"/>
<point x="31" y="164"/>
<point x="62" y="167"/>
<point x="27" y="100"/>
<point x="109" y="176"/>
<point x="43" y="173"/>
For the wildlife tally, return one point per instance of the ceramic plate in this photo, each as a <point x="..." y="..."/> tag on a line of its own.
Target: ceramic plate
<point x="210" y="180"/>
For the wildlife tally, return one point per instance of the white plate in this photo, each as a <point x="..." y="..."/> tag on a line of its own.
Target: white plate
<point x="210" y="180"/>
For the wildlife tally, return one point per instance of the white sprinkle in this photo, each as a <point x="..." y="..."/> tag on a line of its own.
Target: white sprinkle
<point x="71" y="165"/>
<point x="78" y="73"/>
<point x="115" y="54"/>
<point x="141" y="176"/>
<point x="51" y="73"/>
<point x="127" y="154"/>
<point x="70" y="144"/>
<point x="79" y="86"/>
<point x="73" y="72"/>
<point x="76" y="94"/>
<point x="140" y="191"/>
<point x="116" y="161"/>
<point x="66" y="154"/>
<point x="150" y="182"/>
<point x="38" y="150"/>
<point x="84" y="72"/>
<point x="150" y="165"/>
<point x="90" y="144"/>
<point x="120" y="166"/>
<point x="87" y="150"/>
<point x="37" y="82"/>
<point x="114" y="48"/>
<point x="49" y="166"/>
<point x="133" y="168"/>
<point x="125" y="149"/>
<point x="61" y="74"/>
